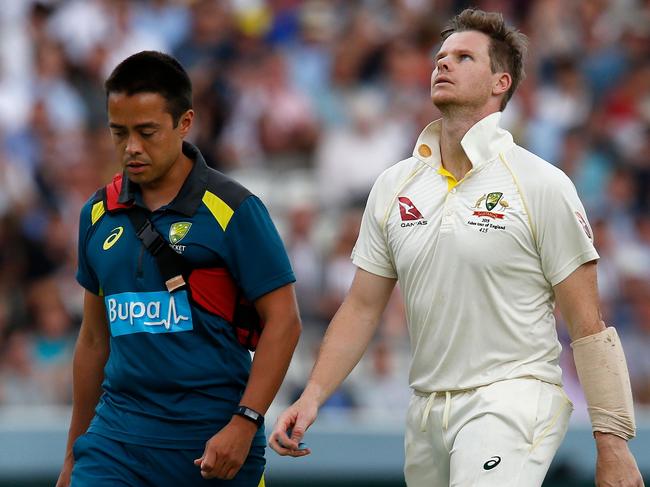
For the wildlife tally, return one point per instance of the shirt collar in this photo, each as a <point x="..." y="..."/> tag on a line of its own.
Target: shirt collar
<point x="482" y="142"/>
<point x="191" y="193"/>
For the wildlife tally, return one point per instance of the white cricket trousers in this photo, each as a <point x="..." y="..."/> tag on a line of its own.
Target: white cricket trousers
<point x="503" y="434"/>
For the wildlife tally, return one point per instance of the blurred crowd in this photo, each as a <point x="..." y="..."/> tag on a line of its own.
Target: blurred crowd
<point x="307" y="102"/>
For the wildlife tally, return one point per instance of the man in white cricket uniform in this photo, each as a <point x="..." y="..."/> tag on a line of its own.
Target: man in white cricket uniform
<point x="477" y="260"/>
<point x="483" y="237"/>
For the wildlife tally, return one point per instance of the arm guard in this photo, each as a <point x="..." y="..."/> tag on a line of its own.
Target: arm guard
<point x="602" y="370"/>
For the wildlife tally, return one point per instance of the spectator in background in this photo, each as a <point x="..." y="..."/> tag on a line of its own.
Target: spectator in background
<point x="339" y="270"/>
<point x="92" y="20"/>
<point x="633" y="254"/>
<point x="13" y="270"/>
<point x="637" y="344"/>
<point x="559" y="105"/>
<point x="306" y="260"/>
<point x="627" y="111"/>
<point x="287" y="125"/>
<point x="310" y="57"/>
<point x="382" y="392"/>
<point x="168" y="20"/>
<point x="209" y="50"/>
<point x="108" y="23"/>
<point x="589" y="168"/>
<point x="19" y="384"/>
<point x="240" y="145"/>
<point x="620" y="202"/>
<point x="406" y="77"/>
<point x="355" y="53"/>
<point x="351" y="156"/>
<point x="209" y="39"/>
<point x="17" y="189"/>
<point x="52" y="341"/>
<point x="17" y="43"/>
<point x="50" y="86"/>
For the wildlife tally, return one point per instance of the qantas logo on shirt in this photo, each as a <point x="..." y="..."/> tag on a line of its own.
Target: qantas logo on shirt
<point x="410" y="214"/>
<point x="148" y="312"/>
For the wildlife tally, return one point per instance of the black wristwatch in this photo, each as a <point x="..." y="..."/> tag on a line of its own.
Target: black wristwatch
<point x="250" y="414"/>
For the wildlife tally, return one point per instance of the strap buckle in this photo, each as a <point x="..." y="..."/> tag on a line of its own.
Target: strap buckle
<point x="151" y="238"/>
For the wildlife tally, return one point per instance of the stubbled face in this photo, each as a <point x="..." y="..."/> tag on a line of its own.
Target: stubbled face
<point x="147" y="143"/>
<point x="462" y="76"/>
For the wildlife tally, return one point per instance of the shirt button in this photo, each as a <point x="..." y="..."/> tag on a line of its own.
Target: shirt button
<point x="453" y="190"/>
<point x="448" y="213"/>
<point x="424" y="150"/>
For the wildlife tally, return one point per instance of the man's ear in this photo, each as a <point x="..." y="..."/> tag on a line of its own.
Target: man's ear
<point x="185" y="122"/>
<point x="502" y="84"/>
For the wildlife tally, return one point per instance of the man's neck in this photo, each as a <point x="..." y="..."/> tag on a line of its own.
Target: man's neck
<point x="163" y="191"/>
<point x="455" y="124"/>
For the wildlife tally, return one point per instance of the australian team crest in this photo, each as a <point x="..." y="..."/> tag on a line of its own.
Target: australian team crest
<point x="493" y="200"/>
<point x="178" y="231"/>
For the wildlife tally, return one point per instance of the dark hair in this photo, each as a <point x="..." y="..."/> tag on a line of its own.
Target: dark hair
<point x="507" y="48"/>
<point x="153" y="72"/>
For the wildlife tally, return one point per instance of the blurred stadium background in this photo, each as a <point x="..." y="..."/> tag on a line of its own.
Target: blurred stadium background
<point x="306" y="102"/>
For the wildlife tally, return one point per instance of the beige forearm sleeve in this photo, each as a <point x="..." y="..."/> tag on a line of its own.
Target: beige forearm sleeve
<point x="602" y="371"/>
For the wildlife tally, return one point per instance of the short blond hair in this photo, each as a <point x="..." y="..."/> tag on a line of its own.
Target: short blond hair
<point x="508" y="45"/>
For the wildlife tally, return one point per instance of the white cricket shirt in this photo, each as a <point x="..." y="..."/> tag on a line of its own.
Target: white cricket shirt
<point x="476" y="259"/>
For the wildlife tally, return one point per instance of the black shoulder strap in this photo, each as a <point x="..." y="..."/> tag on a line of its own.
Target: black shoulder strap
<point x="173" y="267"/>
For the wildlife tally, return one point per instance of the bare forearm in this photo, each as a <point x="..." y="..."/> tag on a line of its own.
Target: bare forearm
<point x="347" y="337"/>
<point x="271" y="362"/>
<point x="87" y="376"/>
<point x="345" y="341"/>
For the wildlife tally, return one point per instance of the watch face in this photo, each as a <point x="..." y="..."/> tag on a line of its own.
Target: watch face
<point x="250" y="414"/>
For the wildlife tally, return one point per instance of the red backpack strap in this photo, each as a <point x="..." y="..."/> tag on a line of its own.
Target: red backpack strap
<point x="112" y="194"/>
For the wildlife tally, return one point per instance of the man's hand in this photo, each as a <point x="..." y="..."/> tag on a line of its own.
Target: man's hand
<point x="226" y="452"/>
<point x="297" y="418"/>
<point x="615" y="465"/>
<point x="66" y="472"/>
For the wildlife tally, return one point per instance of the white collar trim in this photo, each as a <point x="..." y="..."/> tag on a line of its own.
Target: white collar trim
<point x="482" y="142"/>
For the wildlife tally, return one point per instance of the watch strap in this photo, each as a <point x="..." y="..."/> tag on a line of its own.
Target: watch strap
<point x="250" y="414"/>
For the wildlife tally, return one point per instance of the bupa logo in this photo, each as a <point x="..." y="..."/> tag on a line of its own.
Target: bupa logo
<point x="409" y="213"/>
<point x="153" y="312"/>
